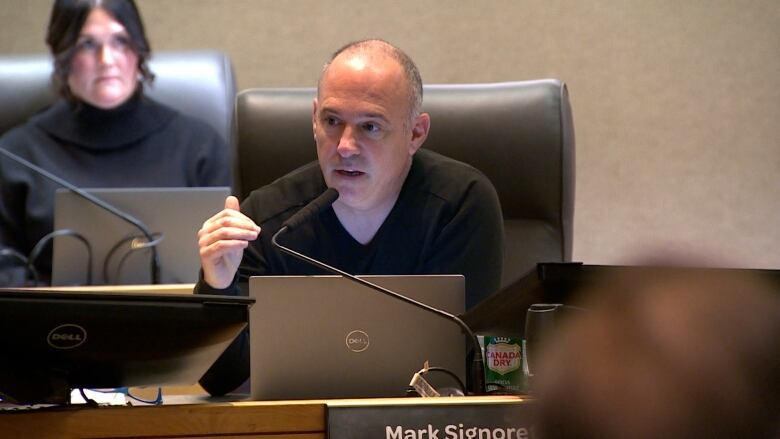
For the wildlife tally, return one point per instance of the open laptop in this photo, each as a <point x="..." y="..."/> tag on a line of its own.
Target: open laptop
<point x="177" y="213"/>
<point x="329" y="337"/>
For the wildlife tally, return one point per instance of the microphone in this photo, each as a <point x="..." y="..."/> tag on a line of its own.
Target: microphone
<point x="324" y="201"/>
<point x="314" y="207"/>
<point x="150" y="243"/>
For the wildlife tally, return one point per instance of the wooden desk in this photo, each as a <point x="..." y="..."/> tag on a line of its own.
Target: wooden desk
<point x="245" y="420"/>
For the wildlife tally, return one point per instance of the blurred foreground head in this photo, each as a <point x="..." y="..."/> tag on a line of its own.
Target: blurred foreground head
<point x="673" y="354"/>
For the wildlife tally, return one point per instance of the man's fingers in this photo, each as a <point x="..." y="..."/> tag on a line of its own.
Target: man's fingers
<point x="221" y="242"/>
<point x="213" y="225"/>
<point x="230" y="218"/>
<point x="206" y="238"/>
<point x="221" y="248"/>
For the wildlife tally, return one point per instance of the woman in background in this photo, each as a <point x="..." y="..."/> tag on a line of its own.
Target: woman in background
<point x="103" y="132"/>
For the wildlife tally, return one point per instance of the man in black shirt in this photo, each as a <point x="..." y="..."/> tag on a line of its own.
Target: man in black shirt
<point x="401" y="210"/>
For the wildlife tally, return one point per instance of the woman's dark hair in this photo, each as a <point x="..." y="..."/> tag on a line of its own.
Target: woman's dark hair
<point x="67" y="19"/>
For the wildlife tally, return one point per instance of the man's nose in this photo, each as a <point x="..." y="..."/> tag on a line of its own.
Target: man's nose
<point x="348" y="145"/>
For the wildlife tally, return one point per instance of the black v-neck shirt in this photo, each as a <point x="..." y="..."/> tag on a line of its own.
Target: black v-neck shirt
<point x="447" y="220"/>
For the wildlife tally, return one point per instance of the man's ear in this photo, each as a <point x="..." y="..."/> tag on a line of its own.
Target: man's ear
<point x="420" y="128"/>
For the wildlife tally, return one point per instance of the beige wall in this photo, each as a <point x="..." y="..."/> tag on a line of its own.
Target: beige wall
<point x="676" y="103"/>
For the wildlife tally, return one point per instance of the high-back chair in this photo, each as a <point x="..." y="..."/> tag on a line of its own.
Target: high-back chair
<point x="197" y="83"/>
<point x="519" y="134"/>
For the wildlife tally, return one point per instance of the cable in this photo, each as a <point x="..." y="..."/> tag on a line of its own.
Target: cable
<point x="89" y="401"/>
<point x="41" y="245"/>
<point x="136" y="243"/>
<point x="110" y="256"/>
<point x="158" y="400"/>
<point x="29" y="269"/>
<point x="121" y="264"/>
<point x="462" y="386"/>
<point x="9" y="252"/>
<point x="419" y="386"/>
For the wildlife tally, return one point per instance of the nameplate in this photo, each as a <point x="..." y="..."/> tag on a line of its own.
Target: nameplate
<point x="512" y="419"/>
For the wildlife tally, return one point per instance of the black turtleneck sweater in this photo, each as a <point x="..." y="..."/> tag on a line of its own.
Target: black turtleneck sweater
<point x="138" y="144"/>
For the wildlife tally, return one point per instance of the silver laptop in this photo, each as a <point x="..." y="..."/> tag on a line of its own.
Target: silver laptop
<point x="329" y="337"/>
<point x="176" y="213"/>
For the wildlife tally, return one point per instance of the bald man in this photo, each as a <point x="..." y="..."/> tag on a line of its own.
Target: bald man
<point x="400" y="210"/>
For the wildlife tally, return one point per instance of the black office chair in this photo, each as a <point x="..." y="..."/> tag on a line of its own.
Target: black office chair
<point x="198" y="83"/>
<point x="519" y="134"/>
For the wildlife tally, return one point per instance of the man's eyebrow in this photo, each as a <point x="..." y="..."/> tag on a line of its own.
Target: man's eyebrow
<point x="374" y="116"/>
<point x="365" y="115"/>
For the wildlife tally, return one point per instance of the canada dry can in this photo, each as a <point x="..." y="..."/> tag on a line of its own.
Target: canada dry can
<point x="503" y="365"/>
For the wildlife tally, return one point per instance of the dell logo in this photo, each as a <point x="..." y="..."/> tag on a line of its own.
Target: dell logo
<point x="357" y="341"/>
<point x="67" y="336"/>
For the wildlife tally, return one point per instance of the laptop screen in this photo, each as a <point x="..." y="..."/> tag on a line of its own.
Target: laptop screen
<point x="329" y="337"/>
<point x="176" y="214"/>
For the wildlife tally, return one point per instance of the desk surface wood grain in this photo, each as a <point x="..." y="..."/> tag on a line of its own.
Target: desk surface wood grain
<point x="197" y="420"/>
<point x="250" y="419"/>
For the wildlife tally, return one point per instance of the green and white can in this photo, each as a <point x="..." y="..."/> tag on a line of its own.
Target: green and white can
<point x="504" y="365"/>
